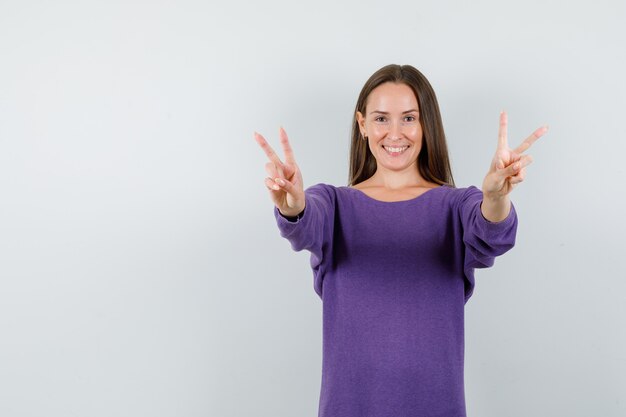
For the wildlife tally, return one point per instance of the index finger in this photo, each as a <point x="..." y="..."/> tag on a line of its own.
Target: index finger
<point x="502" y="142"/>
<point x="269" y="152"/>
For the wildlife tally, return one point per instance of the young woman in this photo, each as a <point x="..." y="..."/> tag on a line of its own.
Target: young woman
<point x="393" y="253"/>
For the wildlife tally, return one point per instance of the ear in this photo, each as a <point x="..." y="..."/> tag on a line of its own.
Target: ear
<point x="361" y="120"/>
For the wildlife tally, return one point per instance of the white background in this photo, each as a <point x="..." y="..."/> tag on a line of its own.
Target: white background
<point x="141" y="269"/>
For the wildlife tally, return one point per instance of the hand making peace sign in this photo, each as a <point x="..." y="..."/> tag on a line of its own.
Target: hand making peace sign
<point x="508" y="166"/>
<point x="285" y="180"/>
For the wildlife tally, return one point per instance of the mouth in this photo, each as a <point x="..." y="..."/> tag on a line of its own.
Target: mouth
<point x="395" y="150"/>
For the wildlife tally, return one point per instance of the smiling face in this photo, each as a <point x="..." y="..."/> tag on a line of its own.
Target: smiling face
<point x="391" y="124"/>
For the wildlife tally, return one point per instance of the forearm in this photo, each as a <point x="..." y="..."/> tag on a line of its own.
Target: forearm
<point x="495" y="209"/>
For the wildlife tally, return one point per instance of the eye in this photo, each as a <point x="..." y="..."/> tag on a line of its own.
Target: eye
<point x="379" y="117"/>
<point x="412" y="118"/>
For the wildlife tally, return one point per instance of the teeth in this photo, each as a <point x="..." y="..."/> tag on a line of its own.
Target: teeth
<point x="395" y="149"/>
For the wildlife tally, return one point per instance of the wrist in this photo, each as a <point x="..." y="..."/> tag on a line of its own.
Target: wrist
<point x="494" y="197"/>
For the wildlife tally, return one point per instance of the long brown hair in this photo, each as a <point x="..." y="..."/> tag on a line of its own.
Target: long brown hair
<point x="432" y="162"/>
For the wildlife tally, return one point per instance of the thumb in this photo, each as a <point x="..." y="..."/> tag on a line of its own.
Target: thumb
<point x="285" y="184"/>
<point x="292" y="190"/>
<point x="511" y="169"/>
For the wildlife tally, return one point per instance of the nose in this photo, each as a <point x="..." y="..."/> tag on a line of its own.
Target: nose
<point x="395" y="129"/>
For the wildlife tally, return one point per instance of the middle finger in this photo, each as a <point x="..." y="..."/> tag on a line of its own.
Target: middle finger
<point x="531" y="139"/>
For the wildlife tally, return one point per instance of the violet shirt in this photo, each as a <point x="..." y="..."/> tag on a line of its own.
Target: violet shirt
<point x="394" y="278"/>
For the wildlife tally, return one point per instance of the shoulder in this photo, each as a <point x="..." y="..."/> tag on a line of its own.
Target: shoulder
<point x="462" y="196"/>
<point x="321" y="187"/>
<point x="323" y="191"/>
<point x="462" y="191"/>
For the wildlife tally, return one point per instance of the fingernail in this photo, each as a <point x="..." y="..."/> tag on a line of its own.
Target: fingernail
<point x="280" y="181"/>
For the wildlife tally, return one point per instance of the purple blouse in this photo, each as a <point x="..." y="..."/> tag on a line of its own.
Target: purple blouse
<point x="394" y="278"/>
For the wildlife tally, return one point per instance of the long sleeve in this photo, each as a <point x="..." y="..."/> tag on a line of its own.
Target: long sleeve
<point x="483" y="240"/>
<point x="313" y="231"/>
<point x="394" y="275"/>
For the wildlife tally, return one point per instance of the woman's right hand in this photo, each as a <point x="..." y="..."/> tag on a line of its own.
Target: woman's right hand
<point x="285" y="180"/>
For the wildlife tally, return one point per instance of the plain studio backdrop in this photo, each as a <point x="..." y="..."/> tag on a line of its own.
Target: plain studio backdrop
<point x="141" y="268"/>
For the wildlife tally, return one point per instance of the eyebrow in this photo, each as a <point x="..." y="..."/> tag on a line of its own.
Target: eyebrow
<point x="404" y="112"/>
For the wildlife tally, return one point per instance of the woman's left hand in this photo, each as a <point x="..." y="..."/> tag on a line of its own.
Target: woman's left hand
<point x="508" y="167"/>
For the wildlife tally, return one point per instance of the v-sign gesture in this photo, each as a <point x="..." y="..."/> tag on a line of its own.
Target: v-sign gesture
<point x="508" y="166"/>
<point x="285" y="180"/>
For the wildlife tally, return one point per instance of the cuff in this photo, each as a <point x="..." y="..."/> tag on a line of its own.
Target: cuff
<point x="496" y="227"/>
<point x="288" y="226"/>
